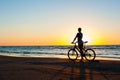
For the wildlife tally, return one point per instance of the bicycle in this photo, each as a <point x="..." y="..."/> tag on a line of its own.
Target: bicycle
<point x="88" y="53"/>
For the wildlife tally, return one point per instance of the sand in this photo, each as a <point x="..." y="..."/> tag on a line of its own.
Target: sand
<point x="24" y="68"/>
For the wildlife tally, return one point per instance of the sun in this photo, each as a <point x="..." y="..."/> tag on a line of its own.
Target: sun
<point x="87" y="38"/>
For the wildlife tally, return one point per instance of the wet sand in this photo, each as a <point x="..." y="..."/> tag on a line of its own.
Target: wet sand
<point x="21" y="68"/>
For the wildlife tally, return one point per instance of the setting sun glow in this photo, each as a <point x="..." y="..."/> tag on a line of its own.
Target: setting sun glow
<point x="55" y="22"/>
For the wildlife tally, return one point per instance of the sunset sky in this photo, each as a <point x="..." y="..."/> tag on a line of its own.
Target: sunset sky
<point x="55" y="22"/>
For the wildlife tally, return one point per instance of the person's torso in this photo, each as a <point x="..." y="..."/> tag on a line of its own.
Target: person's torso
<point x="79" y="36"/>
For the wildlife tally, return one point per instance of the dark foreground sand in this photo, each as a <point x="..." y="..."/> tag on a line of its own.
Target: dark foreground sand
<point x="17" y="68"/>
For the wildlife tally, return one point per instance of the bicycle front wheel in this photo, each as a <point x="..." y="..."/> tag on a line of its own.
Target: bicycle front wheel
<point x="72" y="54"/>
<point x="90" y="54"/>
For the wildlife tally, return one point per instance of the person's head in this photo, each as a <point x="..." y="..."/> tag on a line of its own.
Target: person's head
<point x="79" y="29"/>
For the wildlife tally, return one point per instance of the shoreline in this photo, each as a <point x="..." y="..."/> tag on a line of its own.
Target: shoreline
<point x="56" y="56"/>
<point x="31" y="68"/>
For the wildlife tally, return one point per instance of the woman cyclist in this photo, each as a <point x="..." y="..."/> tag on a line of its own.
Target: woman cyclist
<point x="79" y="37"/>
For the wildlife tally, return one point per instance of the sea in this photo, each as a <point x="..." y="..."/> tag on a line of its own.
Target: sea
<point x="103" y="51"/>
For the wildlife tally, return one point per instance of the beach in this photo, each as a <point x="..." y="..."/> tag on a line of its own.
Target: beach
<point x="31" y="68"/>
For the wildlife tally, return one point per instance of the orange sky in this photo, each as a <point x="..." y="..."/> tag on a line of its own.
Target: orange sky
<point x="53" y="22"/>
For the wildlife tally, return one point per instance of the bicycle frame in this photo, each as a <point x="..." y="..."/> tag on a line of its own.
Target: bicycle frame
<point x="77" y="48"/>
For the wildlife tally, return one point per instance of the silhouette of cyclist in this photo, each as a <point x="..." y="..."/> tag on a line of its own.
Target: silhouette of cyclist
<point x="79" y="36"/>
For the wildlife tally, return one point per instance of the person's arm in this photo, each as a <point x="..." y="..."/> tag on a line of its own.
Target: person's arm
<point x="74" y="39"/>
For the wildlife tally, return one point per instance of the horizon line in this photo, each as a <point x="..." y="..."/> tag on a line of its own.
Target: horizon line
<point x="66" y="45"/>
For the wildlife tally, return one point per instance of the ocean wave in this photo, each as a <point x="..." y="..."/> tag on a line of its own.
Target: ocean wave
<point x="110" y="51"/>
<point x="106" y="47"/>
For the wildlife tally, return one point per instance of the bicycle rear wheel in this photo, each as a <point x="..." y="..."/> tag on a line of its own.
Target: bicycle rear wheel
<point x="90" y="54"/>
<point x="72" y="54"/>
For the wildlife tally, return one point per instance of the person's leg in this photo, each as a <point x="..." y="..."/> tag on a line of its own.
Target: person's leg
<point x="81" y="50"/>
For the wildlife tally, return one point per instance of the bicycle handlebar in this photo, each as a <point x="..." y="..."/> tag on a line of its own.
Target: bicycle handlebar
<point x="85" y="42"/>
<point x="77" y="42"/>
